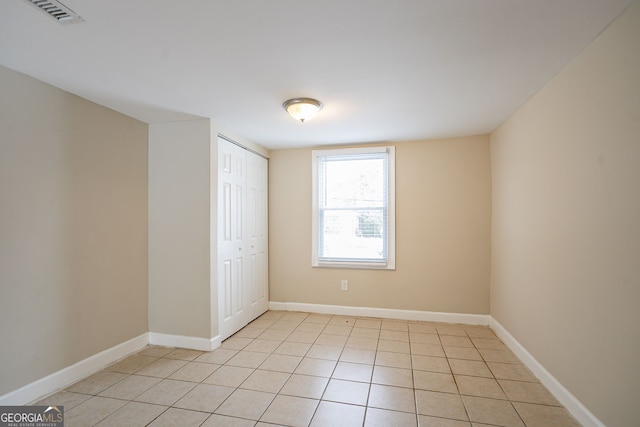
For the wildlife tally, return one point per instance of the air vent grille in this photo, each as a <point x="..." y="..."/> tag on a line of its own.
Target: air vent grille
<point x="56" y="10"/>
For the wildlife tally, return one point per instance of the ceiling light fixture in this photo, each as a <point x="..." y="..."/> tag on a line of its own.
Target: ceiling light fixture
<point x="302" y="109"/>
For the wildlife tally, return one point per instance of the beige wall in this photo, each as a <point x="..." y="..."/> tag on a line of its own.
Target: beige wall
<point x="442" y="234"/>
<point x="566" y="224"/>
<point x="73" y="229"/>
<point x="179" y="228"/>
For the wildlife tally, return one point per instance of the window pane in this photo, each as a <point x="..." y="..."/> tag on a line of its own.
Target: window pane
<point x="353" y="234"/>
<point x="354" y="183"/>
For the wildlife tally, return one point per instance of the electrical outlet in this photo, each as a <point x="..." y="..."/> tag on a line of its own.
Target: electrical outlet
<point x="344" y="285"/>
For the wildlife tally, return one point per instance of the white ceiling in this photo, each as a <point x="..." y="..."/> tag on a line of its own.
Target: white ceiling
<point x="386" y="70"/>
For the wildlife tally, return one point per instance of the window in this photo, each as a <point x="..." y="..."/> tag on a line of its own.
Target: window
<point x="354" y="208"/>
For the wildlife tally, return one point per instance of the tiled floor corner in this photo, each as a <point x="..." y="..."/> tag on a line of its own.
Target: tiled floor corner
<point x="301" y="369"/>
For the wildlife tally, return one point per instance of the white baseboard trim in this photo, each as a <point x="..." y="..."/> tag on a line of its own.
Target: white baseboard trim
<point x="182" y="341"/>
<point x="385" y="313"/>
<point x="564" y="396"/>
<point x="69" y="375"/>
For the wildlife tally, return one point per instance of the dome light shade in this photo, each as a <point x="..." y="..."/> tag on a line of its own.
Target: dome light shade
<point x="302" y="109"/>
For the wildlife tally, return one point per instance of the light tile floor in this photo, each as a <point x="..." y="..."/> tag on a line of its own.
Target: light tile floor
<point x="301" y="369"/>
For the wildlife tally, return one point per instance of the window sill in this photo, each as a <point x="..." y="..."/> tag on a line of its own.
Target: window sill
<point x="354" y="265"/>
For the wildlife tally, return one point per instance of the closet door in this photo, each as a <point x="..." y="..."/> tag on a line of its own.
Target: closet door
<point x="232" y="301"/>
<point x="257" y="262"/>
<point x="242" y="228"/>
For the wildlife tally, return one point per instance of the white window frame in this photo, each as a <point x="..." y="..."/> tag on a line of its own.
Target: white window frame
<point x="390" y="263"/>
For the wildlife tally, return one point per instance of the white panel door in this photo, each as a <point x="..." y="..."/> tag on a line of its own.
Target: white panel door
<point x="257" y="288"/>
<point x="242" y="228"/>
<point x="232" y="303"/>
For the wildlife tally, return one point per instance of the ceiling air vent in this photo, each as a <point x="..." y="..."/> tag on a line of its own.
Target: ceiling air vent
<point x="56" y="10"/>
